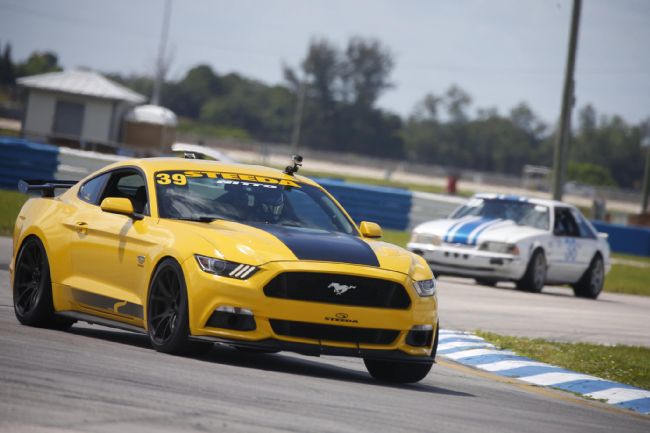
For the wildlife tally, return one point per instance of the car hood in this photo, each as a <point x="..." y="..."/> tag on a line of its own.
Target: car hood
<point x="473" y="230"/>
<point x="257" y="244"/>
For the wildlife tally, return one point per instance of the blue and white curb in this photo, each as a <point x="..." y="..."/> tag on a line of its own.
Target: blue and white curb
<point x="469" y="349"/>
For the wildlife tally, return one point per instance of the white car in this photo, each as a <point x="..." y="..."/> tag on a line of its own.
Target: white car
<point x="200" y="152"/>
<point x="530" y="241"/>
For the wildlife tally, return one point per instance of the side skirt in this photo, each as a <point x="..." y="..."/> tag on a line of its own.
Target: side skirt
<point x="83" y="317"/>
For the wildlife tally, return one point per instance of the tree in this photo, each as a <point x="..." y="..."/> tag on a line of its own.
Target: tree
<point x="590" y="174"/>
<point x="366" y="70"/>
<point x="342" y="88"/>
<point x="7" y="73"/>
<point x="322" y="68"/>
<point x="39" y="63"/>
<point x="199" y="85"/>
<point x="457" y="101"/>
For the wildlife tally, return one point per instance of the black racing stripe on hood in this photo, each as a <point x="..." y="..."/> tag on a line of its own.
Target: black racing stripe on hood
<point x="307" y="244"/>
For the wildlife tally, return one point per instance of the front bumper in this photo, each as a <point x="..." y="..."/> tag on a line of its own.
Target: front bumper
<point x="207" y="292"/>
<point x="470" y="262"/>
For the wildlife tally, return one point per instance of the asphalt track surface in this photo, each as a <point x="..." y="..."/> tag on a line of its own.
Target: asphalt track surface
<point x="96" y="379"/>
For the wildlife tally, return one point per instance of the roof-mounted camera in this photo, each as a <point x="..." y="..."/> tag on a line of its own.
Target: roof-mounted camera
<point x="297" y="163"/>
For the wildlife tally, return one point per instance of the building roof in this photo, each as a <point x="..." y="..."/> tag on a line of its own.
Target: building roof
<point x="152" y="114"/>
<point x="81" y="82"/>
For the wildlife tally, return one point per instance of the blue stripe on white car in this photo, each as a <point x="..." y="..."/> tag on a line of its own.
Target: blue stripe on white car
<point x="469" y="349"/>
<point x="461" y="235"/>
<point x="456" y="226"/>
<point x="473" y="237"/>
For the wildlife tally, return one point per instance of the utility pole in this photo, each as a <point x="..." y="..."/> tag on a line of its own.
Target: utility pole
<point x="297" y="118"/>
<point x="562" y="136"/>
<point x="645" y="144"/>
<point x="160" y="61"/>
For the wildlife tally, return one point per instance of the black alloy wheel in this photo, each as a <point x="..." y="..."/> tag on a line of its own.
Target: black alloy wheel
<point x="167" y="312"/>
<point x="485" y="282"/>
<point x="535" y="276"/>
<point x="32" y="289"/>
<point x="592" y="281"/>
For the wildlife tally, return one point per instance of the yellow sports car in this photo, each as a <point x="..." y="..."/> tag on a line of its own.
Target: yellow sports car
<point x="195" y="252"/>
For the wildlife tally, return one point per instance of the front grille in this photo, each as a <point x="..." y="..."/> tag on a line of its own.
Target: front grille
<point x="352" y="290"/>
<point x="333" y="333"/>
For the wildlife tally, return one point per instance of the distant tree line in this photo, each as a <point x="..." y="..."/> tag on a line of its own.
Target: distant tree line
<point x="340" y="88"/>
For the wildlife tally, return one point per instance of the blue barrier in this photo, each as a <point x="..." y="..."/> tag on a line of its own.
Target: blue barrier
<point x="626" y="240"/>
<point x="388" y="207"/>
<point x="21" y="158"/>
<point x="392" y="208"/>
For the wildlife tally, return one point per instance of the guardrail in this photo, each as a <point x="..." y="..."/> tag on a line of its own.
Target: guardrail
<point x="392" y="208"/>
<point x="626" y="239"/>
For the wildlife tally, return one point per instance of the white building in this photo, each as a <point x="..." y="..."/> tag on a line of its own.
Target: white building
<point x="76" y="106"/>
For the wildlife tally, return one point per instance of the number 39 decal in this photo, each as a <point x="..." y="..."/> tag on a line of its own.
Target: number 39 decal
<point x="166" y="179"/>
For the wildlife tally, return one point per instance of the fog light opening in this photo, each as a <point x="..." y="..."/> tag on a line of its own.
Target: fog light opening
<point x="420" y="336"/>
<point x="235" y="318"/>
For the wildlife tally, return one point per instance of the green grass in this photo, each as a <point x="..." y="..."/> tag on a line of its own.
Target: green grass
<point x="210" y="131"/>
<point x="396" y="237"/>
<point x="639" y="259"/>
<point x="10" y="204"/>
<point x="625" y="364"/>
<point x="628" y="279"/>
<point x="384" y="182"/>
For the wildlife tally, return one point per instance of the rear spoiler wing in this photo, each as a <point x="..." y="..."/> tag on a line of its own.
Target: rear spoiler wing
<point x="46" y="187"/>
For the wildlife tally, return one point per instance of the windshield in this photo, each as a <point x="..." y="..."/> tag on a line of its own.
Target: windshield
<point x="520" y="212"/>
<point x="248" y="199"/>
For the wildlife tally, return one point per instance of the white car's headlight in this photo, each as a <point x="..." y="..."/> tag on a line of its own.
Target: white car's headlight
<point x="500" y="247"/>
<point x="425" y="287"/>
<point x="225" y="268"/>
<point x="425" y="238"/>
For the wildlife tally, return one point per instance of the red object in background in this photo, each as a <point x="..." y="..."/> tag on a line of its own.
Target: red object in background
<point x="452" y="181"/>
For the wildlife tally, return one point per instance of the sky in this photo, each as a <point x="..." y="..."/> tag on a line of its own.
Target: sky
<point x="502" y="52"/>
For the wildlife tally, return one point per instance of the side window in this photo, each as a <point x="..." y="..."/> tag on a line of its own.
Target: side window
<point x="565" y="223"/>
<point x="128" y="184"/>
<point x="586" y="230"/>
<point x="89" y="191"/>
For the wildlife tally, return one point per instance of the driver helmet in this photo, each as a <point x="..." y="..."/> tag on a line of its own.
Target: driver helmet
<point x="271" y="202"/>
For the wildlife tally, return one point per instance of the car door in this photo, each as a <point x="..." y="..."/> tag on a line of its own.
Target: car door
<point x="108" y="250"/>
<point x="565" y="255"/>
<point x="587" y="243"/>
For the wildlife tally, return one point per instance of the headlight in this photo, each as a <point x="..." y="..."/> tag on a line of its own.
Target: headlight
<point x="500" y="247"/>
<point x="225" y="268"/>
<point x="425" y="238"/>
<point x="425" y="287"/>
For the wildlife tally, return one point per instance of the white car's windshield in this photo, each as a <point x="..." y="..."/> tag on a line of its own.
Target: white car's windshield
<point x="520" y="212"/>
<point x="249" y="199"/>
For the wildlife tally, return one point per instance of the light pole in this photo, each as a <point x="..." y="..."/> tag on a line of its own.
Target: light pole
<point x="297" y="118"/>
<point x="160" y="63"/>
<point x="645" y="144"/>
<point x="562" y="137"/>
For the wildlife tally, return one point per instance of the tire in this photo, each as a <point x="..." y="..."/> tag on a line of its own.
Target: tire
<point x="485" y="282"/>
<point x="167" y="312"/>
<point x="535" y="277"/>
<point x="591" y="283"/>
<point x="32" y="289"/>
<point x="434" y="348"/>
<point x="401" y="372"/>
<point x="397" y="371"/>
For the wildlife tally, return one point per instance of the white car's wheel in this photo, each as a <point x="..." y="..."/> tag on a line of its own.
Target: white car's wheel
<point x="592" y="281"/>
<point x="535" y="276"/>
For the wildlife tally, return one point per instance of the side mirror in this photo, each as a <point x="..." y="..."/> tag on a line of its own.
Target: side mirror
<point x="119" y="205"/>
<point x="370" y="230"/>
